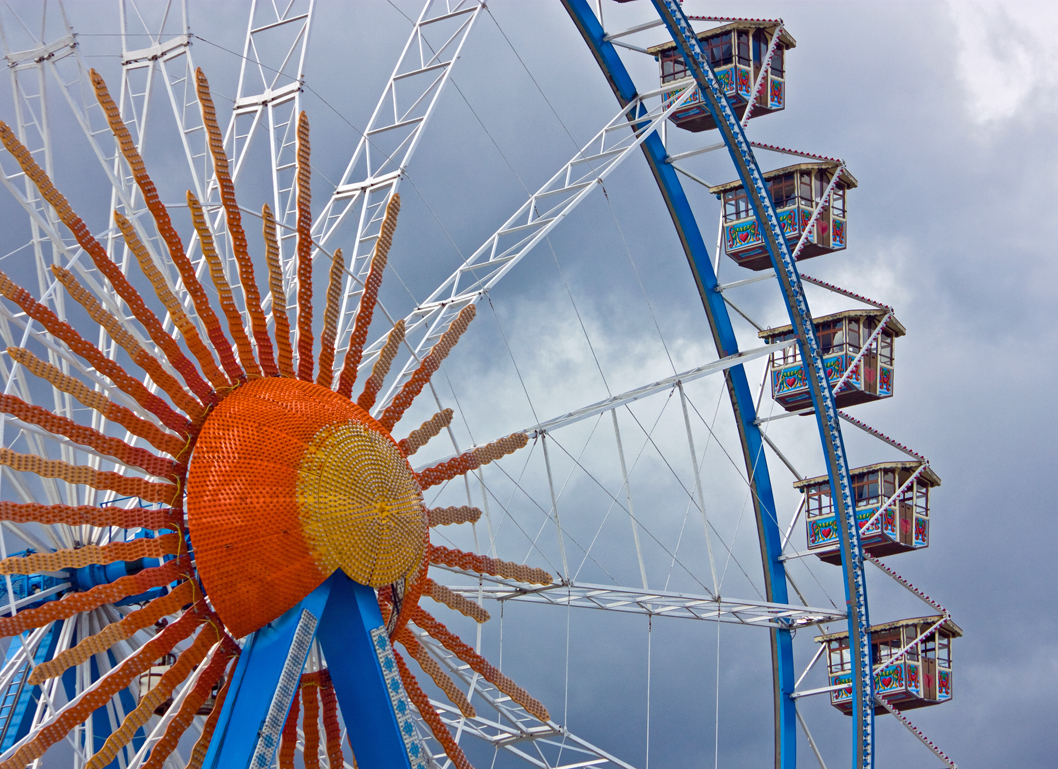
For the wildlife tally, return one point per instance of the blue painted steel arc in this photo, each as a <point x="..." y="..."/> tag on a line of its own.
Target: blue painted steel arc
<point x="819" y="385"/>
<point x="738" y="386"/>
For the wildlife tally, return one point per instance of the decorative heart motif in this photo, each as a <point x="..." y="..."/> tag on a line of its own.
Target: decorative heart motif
<point x="743" y="236"/>
<point x="887" y="681"/>
<point x="826" y="532"/>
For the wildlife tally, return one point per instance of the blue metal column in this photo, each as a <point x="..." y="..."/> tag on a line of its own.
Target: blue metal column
<point x="19" y="703"/>
<point x="345" y="618"/>
<point x="822" y="396"/>
<point x="375" y="707"/>
<point x="737" y="384"/>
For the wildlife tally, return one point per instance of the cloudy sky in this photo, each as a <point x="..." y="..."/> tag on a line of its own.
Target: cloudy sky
<point x="944" y="112"/>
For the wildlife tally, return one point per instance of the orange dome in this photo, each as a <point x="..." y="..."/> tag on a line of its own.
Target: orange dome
<point x="289" y="482"/>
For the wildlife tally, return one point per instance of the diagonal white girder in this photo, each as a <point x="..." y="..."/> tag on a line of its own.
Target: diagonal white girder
<point x="509" y="728"/>
<point x="544" y="210"/>
<point x="374" y="172"/>
<point x="656" y="603"/>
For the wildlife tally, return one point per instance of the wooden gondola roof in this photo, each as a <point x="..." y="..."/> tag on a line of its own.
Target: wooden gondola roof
<point x="867" y="312"/>
<point x="736" y="24"/>
<point x="931" y="477"/>
<point x="948" y="626"/>
<point x="830" y="165"/>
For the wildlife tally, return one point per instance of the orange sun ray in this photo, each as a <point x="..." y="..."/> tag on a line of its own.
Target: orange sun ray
<point x="183" y="594"/>
<point x="289" y="741"/>
<point x="446" y="516"/>
<point x="99" y="257"/>
<point x="218" y="663"/>
<point x="172" y="305"/>
<point x="75" y="558"/>
<point x="92" y="515"/>
<point x="104" y="480"/>
<point x="427" y="430"/>
<point x="310" y="722"/>
<point x="251" y="296"/>
<point x="92" y="355"/>
<point x="74" y="603"/>
<point x="304" y="250"/>
<point x="86" y="436"/>
<point x="455" y="601"/>
<point x="427" y="367"/>
<point x="431" y="668"/>
<point x="484" y="565"/>
<point x="381" y="367"/>
<point x="220" y="282"/>
<point x="330" y="321"/>
<point x="100" y="403"/>
<point x="332" y="730"/>
<point x="279" y="297"/>
<point x="479" y="664"/>
<point x="429" y="715"/>
<point x="471" y="460"/>
<point x="198" y="753"/>
<point x="365" y="310"/>
<point x="140" y="356"/>
<point x="186" y="662"/>
<point x="77" y="711"/>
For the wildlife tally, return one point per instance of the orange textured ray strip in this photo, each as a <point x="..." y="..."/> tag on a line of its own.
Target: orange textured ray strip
<point x="102" y="262"/>
<point x="429" y="715"/>
<point x="227" y="298"/>
<point x="285" y="352"/>
<point x="479" y="664"/>
<point x="176" y="310"/>
<point x="427" y="430"/>
<point x="183" y="594"/>
<point x="289" y="745"/>
<point x="432" y="669"/>
<point x="471" y="460"/>
<point x="381" y="367"/>
<point x="100" y="403"/>
<point x="92" y="515"/>
<point x="484" y="565"/>
<point x="366" y="308"/>
<point x="411" y="389"/>
<point x="310" y="722"/>
<point x="165" y="227"/>
<point x="73" y="603"/>
<point x="167" y="544"/>
<point x="332" y="730"/>
<point x="87" y="476"/>
<point x="86" y="436"/>
<point x="140" y="356"/>
<point x="178" y="672"/>
<point x="330" y="321"/>
<point x="304" y="251"/>
<point x="456" y="602"/>
<point x="218" y="662"/>
<point x="446" y="516"/>
<point x="251" y="296"/>
<point x="78" y="711"/>
<point x="198" y="753"/>
<point x="92" y="355"/>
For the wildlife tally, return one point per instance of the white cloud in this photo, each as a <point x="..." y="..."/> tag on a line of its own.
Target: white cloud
<point x="1004" y="59"/>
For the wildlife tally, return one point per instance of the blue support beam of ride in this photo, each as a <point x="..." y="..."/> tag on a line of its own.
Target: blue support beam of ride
<point x="737" y="384"/>
<point x="375" y="707"/>
<point x="344" y="617"/>
<point x="822" y="396"/>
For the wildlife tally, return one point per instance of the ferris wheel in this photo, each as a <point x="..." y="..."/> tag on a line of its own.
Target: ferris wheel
<point x="246" y="523"/>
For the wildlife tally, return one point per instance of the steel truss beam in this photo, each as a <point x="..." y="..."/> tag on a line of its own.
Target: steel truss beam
<point x="655" y="603"/>
<point x="383" y="153"/>
<point x="544" y="210"/>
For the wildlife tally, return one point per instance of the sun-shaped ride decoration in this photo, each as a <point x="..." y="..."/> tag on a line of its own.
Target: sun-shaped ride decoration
<point x="268" y="478"/>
